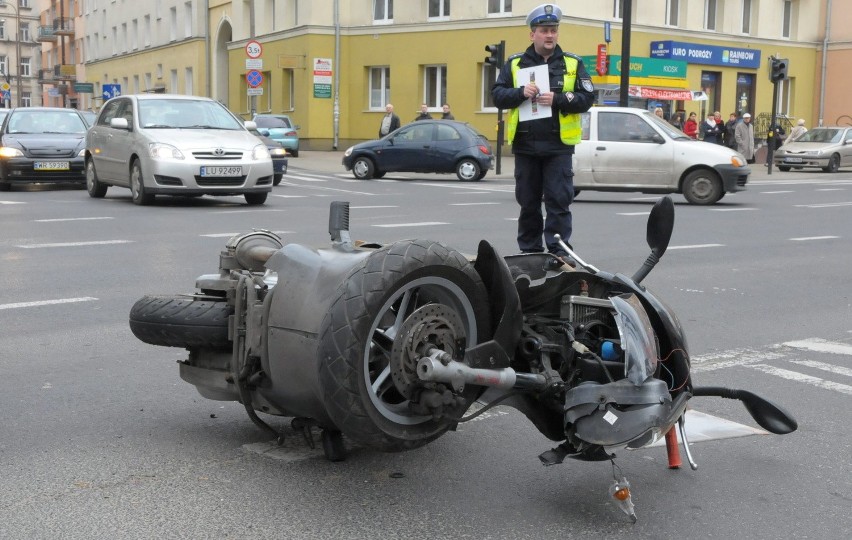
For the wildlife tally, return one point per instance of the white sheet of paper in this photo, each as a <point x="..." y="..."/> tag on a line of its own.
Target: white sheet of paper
<point x="542" y="81"/>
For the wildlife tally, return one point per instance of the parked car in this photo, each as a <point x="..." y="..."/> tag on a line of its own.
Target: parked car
<point x="42" y="145"/>
<point x="828" y="148"/>
<point x="278" y="154"/>
<point x="426" y="146"/>
<point x="279" y="127"/>
<point x="627" y="149"/>
<point x="89" y="117"/>
<point x="161" y="144"/>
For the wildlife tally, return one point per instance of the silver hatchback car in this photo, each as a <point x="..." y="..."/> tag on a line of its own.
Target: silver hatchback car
<point x="161" y="144"/>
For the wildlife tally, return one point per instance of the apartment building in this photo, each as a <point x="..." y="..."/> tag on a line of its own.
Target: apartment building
<point x="334" y="64"/>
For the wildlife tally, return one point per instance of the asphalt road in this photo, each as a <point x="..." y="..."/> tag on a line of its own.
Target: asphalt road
<point x="99" y="437"/>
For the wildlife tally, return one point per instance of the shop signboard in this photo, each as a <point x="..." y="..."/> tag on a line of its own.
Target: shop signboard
<point x="642" y="67"/>
<point x="698" y="53"/>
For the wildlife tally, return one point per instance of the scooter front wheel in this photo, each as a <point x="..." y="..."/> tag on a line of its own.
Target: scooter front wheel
<point x="181" y="321"/>
<point x="403" y="300"/>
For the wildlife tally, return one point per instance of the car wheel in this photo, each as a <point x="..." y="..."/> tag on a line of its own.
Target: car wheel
<point x="783" y="168"/>
<point x="295" y="153"/>
<point x="702" y="187"/>
<point x="481" y="175"/>
<point x="256" y="198"/>
<point x="137" y="186"/>
<point x="276" y="179"/>
<point x="833" y="164"/>
<point x="468" y="170"/>
<point x="363" y="168"/>
<point x="96" y="189"/>
<point x="378" y="174"/>
<point x="403" y="299"/>
<point x="5" y="186"/>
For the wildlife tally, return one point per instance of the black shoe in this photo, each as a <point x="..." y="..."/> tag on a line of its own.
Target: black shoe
<point x="558" y="263"/>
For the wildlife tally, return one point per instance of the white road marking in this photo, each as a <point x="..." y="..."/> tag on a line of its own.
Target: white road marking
<point x="733" y="358"/>
<point x="307" y="178"/>
<point x="820" y="345"/>
<point x="254" y="211"/>
<point x="323" y="188"/>
<point x="645" y="198"/>
<point x="632" y="213"/>
<point x="228" y="235"/>
<point x="47" y="302"/>
<point x="421" y="224"/>
<point x="697" y="246"/>
<point x="70" y="219"/>
<point x="823" y="205"/>
<point x="705" y="427"/>
<point x="806" y="238"/>
<point x="831" y="368"/>
<point x="290" y="196"/>
<point x="12" y="202"/>
<point x="731" y="209"/>
<point x="473" y="203"/>
<point x="776" y="192"/>
<point x="370" y="207"/>
<point x="801" y="377"/>
<point x="75" y="244"/>
<point x="830" y="189"/>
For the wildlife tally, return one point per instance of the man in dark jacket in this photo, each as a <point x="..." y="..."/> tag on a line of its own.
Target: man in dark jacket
<point x="730" y="128"/>
<point x="543" y="127"/>
<point x="390" y="121"/>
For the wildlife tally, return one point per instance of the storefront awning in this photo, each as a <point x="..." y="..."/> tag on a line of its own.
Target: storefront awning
<point x="650" y="92"/>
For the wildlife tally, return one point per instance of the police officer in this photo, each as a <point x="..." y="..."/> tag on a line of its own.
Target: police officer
<point x="543" y="146"/>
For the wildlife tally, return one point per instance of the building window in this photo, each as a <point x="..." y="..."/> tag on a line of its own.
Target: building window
<point x="499" y="7"/>
<point x="4" y="66"/>
<point x="187" y="83"/>
<point x="25" y="32"/>
<point x="187" y="23"/>
<point x="3" y="29"/>
<point x="617" y="9"/>
<point x="134" y="38"/>
<point x="439" y="8"/>
<point x="147" y="31"/>
<point x="379" y="88"/>
<point x="784" y="95"/>
<point x="173" y="81"/>
<point x="25" y="66"/>
<point x="383" y="11"/>
<point x="710" y="13"/>
<point x="746" y="28"/>
<point x="711" y="85"/>
<point x="435" y="86"/>
<point x="489" y="76"/>
<point x="289" y="97"/>
<point x="26" y="98"/>
<point x="672" y="12"/>
<point x="788" y="14"/>
<point x="173" y="24"/>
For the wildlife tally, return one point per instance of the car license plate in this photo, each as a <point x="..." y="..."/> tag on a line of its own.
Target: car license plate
<point x="219" y="170"/>
<point x="51" y="166"/>
<point x="792" y="160"/>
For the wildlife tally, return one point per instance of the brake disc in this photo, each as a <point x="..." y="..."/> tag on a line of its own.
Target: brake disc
<point x="431" y="326"/>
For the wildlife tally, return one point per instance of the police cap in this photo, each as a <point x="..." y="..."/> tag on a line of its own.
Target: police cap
<point x="544" y="15"/>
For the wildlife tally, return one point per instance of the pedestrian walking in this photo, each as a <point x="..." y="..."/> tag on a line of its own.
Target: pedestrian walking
<point x="390" y="121"/>
<point x="710" y="130"/>
<point x="797" y="131"/>
<point x="447" y="115"/>
<point x="690" y="127"/>
<point x="543" y="145"/>
<point x="730" y="135"/>
<point x="677" y="121"/>
<point x="424" y="113"/>
<point x="744" y="135"/>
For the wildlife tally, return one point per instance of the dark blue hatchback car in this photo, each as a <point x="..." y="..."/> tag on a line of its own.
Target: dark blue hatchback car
<point x="426" y="146"/>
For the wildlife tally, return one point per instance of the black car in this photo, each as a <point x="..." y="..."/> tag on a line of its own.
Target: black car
<point x="426" y="146"/>
<point x="278" y="154"/>
<point x="42" y="145"/>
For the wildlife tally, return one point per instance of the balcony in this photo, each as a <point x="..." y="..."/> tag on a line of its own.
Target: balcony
<point x="46" y="33"/>
<point x="45" y="76"/>
<point x="64" y="72"/>
<point x="63" y="26"/>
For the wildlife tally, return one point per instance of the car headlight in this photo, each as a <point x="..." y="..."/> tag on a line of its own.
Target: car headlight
<point x="81" y="153"/>
<point x="7" y="152"/>
<point x="164" y="151"/>
<point x="278" y="152"/>
<point x="260" y="152"/>
<point x="348" y="151"/>
<point x="737" y="161"/>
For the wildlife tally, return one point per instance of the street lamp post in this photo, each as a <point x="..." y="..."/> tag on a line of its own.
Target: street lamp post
<point x="17" y="45"/>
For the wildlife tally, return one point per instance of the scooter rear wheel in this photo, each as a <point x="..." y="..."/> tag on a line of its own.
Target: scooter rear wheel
<point x="366" y="381"/>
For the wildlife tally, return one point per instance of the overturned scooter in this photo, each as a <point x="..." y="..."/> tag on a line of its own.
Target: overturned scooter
<point x="392" y="345"/>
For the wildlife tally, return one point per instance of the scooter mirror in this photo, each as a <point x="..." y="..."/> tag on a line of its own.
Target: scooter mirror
<point x="660" y="225"/>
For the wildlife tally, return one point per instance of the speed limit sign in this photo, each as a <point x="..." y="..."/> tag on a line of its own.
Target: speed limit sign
<point x="254" y="49"/>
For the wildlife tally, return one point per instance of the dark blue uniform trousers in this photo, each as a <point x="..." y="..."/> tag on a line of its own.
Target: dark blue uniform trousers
<point x="550" y="178"/>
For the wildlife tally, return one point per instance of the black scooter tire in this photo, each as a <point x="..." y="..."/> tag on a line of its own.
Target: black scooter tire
<point x="429" y="272"/>
<point x="180" y="321"/>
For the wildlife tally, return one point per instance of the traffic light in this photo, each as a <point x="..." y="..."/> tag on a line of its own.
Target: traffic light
<point x="496" y="50"/>
<point x="778" y="69"/>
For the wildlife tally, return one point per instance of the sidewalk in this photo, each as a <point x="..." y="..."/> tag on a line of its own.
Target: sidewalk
<point x="332" y="162"/>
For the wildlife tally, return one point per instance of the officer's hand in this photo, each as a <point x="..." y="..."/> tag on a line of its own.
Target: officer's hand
<point x="530" y="90"/>
<point x="545" y="99"/>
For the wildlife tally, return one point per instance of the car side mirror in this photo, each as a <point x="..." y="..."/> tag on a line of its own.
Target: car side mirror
<point x="264" y="132"/>
<point x="119" y="123"/>
<point x="657" y="138"/>
<point x="250" y="125"/>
